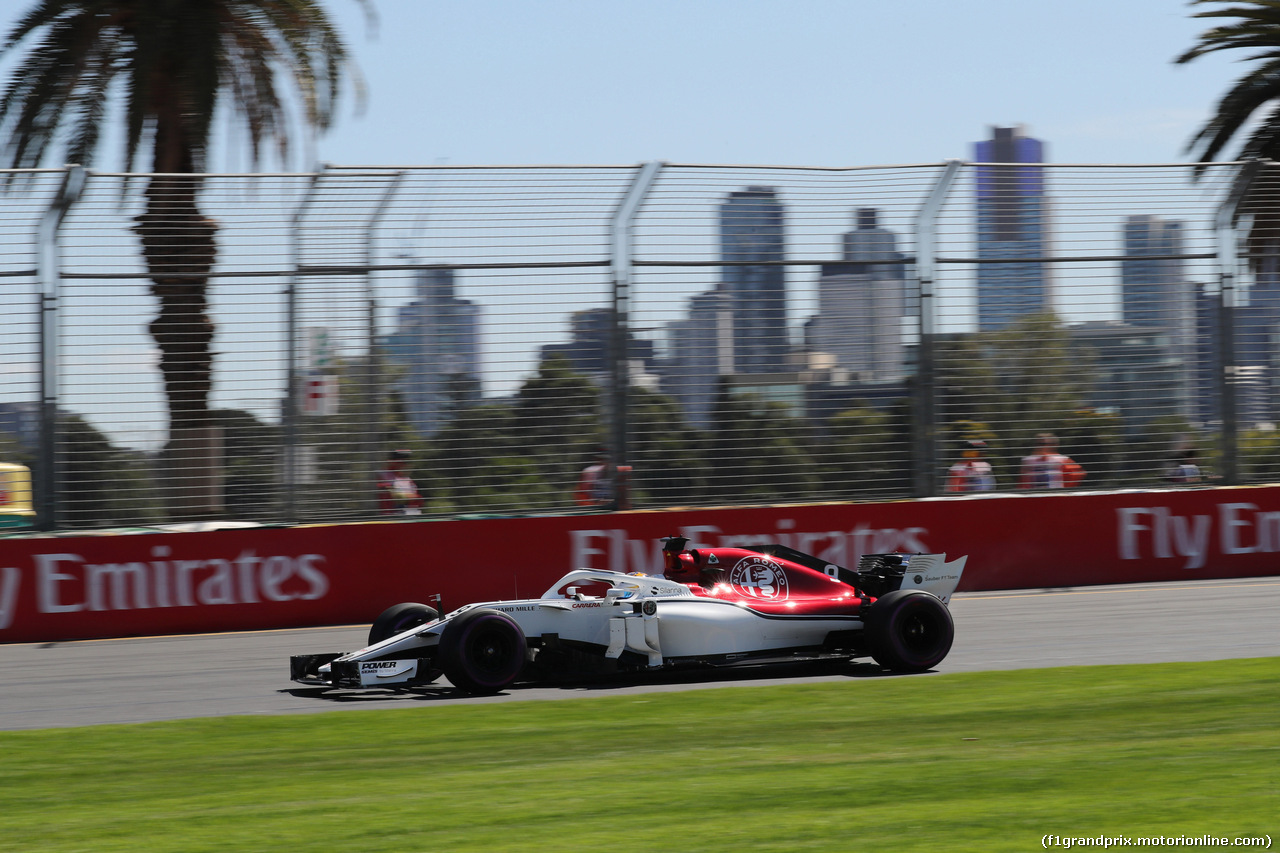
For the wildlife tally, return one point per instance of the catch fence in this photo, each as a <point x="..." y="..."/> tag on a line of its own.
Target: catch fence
<point x="703" y="335"/>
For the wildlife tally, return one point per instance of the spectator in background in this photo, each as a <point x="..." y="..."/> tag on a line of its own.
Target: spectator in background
<point x="1186" y="469"/>
<point x="603" y="485"/>
<point x="1046" y="468"/>
<point x="397" y="492"/>
<point x="972" y="473"/>
<point x="595" y="485"/>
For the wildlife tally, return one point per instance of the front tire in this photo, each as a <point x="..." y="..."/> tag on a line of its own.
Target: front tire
<point x="482" y="651"/>
<point x="909" y="630"/>
<point x="400" y="618"/>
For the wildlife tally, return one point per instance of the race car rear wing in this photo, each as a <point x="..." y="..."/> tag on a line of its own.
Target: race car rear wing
<point x="880" y="574"/>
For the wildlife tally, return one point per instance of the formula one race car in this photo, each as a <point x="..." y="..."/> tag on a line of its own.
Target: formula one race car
<point x="713" y="607"/>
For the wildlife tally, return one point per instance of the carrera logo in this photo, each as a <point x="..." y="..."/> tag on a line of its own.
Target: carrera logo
<point x="759" y="577"/>
<point x="586" y="604"/>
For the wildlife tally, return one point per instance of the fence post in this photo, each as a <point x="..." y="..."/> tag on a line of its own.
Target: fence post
<point x="372" y="408"/>
<point x="290" y="418"/>
<point x="619" y="322"/>
<point x="924" y="423"/>
<point x="50" y="276"/>
<point x="1225" y="373"/>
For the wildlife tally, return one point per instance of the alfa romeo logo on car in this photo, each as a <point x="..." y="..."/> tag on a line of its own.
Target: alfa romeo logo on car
<point x="759" y="577"/>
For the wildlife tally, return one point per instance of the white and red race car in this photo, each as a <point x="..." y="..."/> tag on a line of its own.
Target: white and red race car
<point x="713" y="607"/>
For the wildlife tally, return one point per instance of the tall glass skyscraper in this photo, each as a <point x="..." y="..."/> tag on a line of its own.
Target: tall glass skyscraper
<point x="1013" y="222"/>
<point x="751" y="230"/>
<point x="1153" y="287"/>
<point x="438" y="338"/>
<point x="1158" y="299"/>
<point x="862" y="303"/>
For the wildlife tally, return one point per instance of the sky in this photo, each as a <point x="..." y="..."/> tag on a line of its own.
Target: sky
<point x="755" y="82"/>
<point x="765" y="82"/>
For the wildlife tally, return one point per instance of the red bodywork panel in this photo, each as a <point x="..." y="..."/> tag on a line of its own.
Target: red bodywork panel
<point x="766" y="584"/>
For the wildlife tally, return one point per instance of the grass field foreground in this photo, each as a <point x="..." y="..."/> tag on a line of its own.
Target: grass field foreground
<point x="990" y="761"/>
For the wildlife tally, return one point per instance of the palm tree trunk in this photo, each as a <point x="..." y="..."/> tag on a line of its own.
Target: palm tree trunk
<point x="178" y="244"/>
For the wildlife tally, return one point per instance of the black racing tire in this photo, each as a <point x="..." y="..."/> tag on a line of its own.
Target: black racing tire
<point x="482" y="651"/>
<point x="909" y="630"/>
<point x="400" y="618"/>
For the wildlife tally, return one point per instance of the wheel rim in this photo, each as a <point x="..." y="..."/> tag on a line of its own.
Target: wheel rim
<point x="492" y="651"/>
<point x="920" y="633"/>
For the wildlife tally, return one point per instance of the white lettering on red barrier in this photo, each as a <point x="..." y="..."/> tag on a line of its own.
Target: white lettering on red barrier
<point x="1241" y="530"/>
<point x="611" y="549"/>
<point x="65" y="583"/>
<point x="9" y="579"/>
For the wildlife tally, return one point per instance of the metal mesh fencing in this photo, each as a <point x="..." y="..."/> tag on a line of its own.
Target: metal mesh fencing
<point x="1079" y="301"/>
<point x="379" y="342"/>
<point x="781" y="305"/>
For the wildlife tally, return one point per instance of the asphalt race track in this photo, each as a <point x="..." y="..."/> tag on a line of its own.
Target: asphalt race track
<point x="163" y="678"/>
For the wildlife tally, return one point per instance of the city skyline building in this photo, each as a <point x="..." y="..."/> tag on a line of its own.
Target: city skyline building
<point x="1136" y="371"/>
<point x="1154" y="289"/>
<point x="700" y="350"/>
<point x="587" y="349"/>
<point x="752" y="231"/>
<point x="1012" y="222"/>
<point x="1157" y="297"/>
<point x="438" y="338"/>
<point x="1257" y="326"/>
<point x="862" y="303"/>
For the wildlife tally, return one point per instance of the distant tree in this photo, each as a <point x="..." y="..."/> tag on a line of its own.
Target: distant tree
<point x="966" y="381"/>
<point x="864" y="452"/>
<point x="13" y="451"/>
<point x="667" y="464"/>
<point x="99" y="484"/>
<point x="478" y="463"/>
<point x="252" y="449"/>
<point x="1148" y="454"/>
<point x="1015" y="383"/>
<point x="559" y="422"/>
<point x="172" y="63"/>
<point x="1095" y="440"/>
<point x="1039" y="380"/>
<point x="1260" y="456"/>
<point x="757" y="452"/>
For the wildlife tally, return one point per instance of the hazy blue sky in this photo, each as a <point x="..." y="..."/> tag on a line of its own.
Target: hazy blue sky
<point x="802" y="82"/>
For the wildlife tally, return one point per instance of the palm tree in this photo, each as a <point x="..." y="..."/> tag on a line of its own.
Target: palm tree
<point x="172" y="61"/>
<point x="1257" y="29"/>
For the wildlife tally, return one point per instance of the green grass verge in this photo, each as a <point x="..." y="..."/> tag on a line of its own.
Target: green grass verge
<point x="989" y="761"/>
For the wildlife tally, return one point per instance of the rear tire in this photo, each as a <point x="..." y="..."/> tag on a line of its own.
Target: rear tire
<point x="482" y="651"/>
<point x="909" y="630"/>
<point x="400" y="618"/>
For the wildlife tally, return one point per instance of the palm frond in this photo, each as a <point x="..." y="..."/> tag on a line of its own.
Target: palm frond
<point x="176" y="61"/>
<point x="1254" y="31"/>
